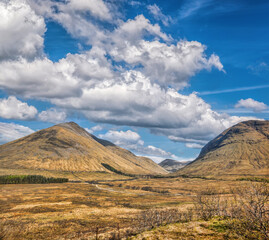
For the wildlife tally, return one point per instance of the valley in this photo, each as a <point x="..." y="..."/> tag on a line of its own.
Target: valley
<point x="113" y="194"/>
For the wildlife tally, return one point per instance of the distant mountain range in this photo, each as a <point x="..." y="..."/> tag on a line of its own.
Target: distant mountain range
<point x="240" y="150"/>
<point x="68" y="147"/>
<point x="171" y="165"/>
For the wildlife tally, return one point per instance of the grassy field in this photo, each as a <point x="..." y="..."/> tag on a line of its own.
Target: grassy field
<point x="110" y="206"/>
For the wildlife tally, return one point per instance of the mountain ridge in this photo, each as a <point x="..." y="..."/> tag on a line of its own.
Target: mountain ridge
<point x="68" y="147"/>
<point x="242" y="149"/>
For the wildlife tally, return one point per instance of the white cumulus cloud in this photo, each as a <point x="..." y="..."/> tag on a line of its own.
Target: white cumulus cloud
<point x="133" y="30"/>
<point x="122" y="137"/>
<point x="73" y="15"/>
<point x="52" y="115"/>
<point x="252" y="104"/>
<point x="133" y="142"/>
<point x="48" y="79"/>
<point x="96" y="128"/>
<point x="97" y="7"/>
<point x="12" y="108"/>
<point x="167" y="64"/>
<point x="21" y="31"/>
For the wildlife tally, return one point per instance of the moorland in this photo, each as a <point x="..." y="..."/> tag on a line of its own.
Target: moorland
<point x="64" y="183"/>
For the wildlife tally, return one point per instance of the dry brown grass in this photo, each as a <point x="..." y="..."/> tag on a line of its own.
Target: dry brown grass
<point x="74" y="210"/>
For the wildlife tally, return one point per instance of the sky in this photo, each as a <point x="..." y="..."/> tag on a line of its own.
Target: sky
<point x="159" y="78"/>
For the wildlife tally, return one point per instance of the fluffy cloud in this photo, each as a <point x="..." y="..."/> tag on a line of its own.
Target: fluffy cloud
<point x="121" y="138"/>
<point x="251" y="104"/>
<point x="11" y="131"/>
<point x="52" y="115"/>
<point x="132" y="141"/>
<point x="40" y="78"/>
<point x="96" y="7"/>
<point x="163" y="62"/>
<point x="133" y="30"/>
<point x="50" y="8"/>
<point x="167" y="64"/>
<point x="43" y="78"/>
<point x="158" y="15"/>
<point x="76" y="16"/>
<point x="21" y="31"/>
<point x="96" y="128"/>
<point x="12" y="108"/>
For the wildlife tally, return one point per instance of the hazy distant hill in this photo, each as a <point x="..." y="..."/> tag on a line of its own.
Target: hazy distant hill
<point x="240" y="150"/>
<point x="68" y="147"/>
<point x="171" y="165"/>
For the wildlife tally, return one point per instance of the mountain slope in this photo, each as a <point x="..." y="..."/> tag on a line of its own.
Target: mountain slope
<point x="171" y="165"/>
<point x="68" y="147"/>
<point x="240" y="150"/>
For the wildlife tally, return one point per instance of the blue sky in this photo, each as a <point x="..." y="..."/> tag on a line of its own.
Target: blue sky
<point x="160" y="78"/>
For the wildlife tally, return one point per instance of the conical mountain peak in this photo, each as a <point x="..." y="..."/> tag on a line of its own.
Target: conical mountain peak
<point x="69" y="147"/>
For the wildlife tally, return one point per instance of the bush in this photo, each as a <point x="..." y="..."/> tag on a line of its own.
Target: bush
<point x="149" y="219"/>
<point x="209" y="204"/>
<point x="27" y="179"/>
<point x="246" y="215"/>
<point x="249" y="214"/>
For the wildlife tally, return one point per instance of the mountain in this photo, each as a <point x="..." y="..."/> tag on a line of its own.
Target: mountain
<point x="171" y="165"/>
<point x="240" y="150"/>
<point x="68" y="147"/>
